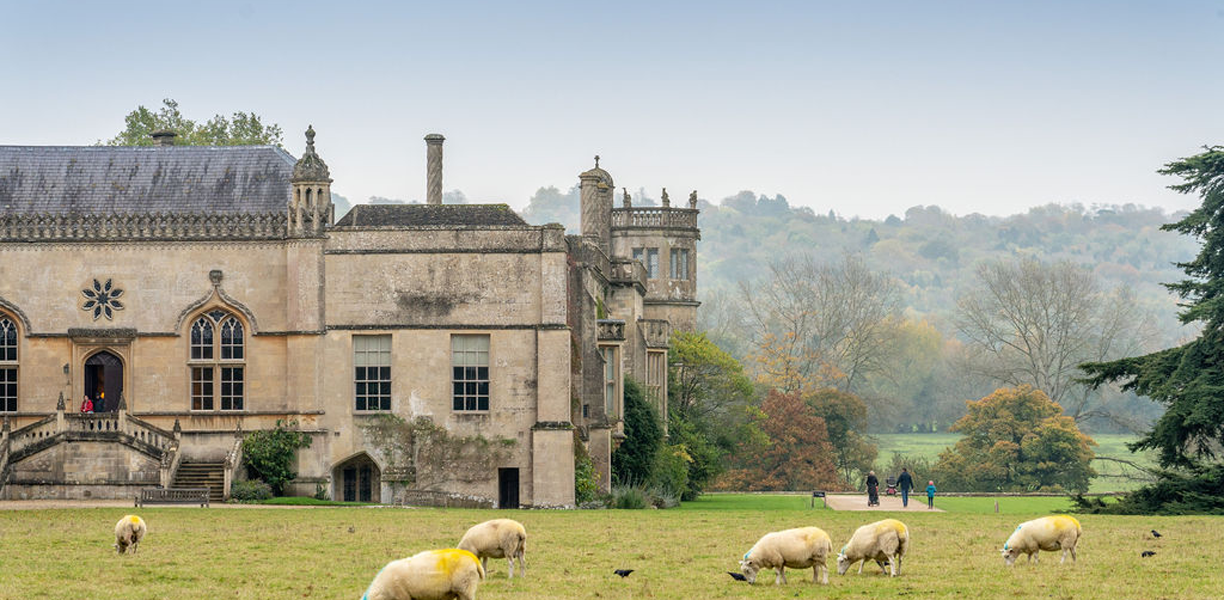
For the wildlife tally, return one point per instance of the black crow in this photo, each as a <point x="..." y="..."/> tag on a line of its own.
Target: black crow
<point x="737" y="576"/>
<point x="1147" y="553"/>
<point x="1155" y="533"/>
<point x="623" y="572"/>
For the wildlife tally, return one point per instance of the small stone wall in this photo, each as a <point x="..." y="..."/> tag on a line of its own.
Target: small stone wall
<point x="443" y="500"/>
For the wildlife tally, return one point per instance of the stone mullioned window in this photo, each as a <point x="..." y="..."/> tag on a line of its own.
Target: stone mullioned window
<point x="8" y="364"/>
<point x="470" y="373"/>
<point x="372" y="372"/>
<point x="217" y="361"/>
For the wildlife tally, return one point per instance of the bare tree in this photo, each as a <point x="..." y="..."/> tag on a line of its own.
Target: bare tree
<point x="816" y="322"/>
<point x="1030" y="322"/>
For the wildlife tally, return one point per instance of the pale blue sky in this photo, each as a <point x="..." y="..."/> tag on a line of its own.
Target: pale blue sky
<point x="867" y="108"/>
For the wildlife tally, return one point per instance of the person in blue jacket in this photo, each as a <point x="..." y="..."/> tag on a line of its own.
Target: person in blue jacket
<point x="930" y="494"/>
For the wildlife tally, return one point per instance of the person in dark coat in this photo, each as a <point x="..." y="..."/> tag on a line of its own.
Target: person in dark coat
<point x="906" y="483"/>
<point x="873" y="489"/>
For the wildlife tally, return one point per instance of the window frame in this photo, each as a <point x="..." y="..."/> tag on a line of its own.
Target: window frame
<point x="613" y="380"/>
<point x="680" y="259"/>
<point x="379" y="380"/>
<point x="212" y="377"/>
<point x="471" y="386"/>
<point x="10" y="368"/>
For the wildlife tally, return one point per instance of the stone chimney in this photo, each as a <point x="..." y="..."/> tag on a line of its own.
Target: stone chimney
<point x="596" y="204"/>
<point x="433" y="168"/>
<point x="163" y="137"/>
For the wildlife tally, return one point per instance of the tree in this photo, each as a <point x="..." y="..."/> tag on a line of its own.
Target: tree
<point x="845" y="415"/>
<point x="269" y="454"/>
<point x="817" y="325"/>
<point x="1032" y="323"/>
<point x="792" y="451"/>
<point x="240" y="129"/>
<point x="1189" y="379"/>
<point x="1017" y="439"/>
<point x="633" y="462"/>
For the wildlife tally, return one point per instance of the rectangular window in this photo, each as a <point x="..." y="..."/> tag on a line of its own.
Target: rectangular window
<point x="679" y="263"/>
<point x="372" y="372"/>
<point x="639" y="254"/>
<point x="231" y="388"/>
<point x="652" y="263"/>
<point x="656" y="373"/>
<point x="8" y="389"/>
<point x="201" y="388"/>
<point x="611" y="368"/>
<point x="470" y="372"/>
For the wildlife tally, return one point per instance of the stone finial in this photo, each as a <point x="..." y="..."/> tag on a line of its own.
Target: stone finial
<point x="7" y="427"/>
<point x="59" y="405"/>
<point x="666" y="200"/>
<point x="310" y="168"/>
<point x="122" y="402"/>
<point x="628" y="202"/>
<point x="596" y="161"/>
<point x="215" y="277"/>
<point x="693" y="199"/>
<point x="178" y="428"/>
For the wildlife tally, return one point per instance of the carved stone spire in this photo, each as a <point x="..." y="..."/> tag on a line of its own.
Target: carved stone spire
<point x="59" y="405"/>
<point x="311" y="209"/>
<point x="310" y="168"/>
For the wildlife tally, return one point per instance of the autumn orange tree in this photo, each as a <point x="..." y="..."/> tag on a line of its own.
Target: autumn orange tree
<point x="1017" y="439"/>
<point x="789" y="451"/>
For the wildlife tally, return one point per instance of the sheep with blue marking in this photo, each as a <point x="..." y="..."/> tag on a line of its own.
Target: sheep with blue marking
<point x="128" y="533"/>
<point x="795" y="548"/>
<point x="430" y="575"/>
<point x="1060" y="532"/>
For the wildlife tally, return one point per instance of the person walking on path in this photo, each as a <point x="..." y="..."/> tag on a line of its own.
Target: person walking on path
<point x="873" y="489"/>
<point x="930" y="494"/>
<point x="906" y="483"/>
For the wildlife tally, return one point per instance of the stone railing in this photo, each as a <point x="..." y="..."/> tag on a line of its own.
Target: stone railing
<point x="148" y="433"/>
<point x="611" y="330"/>
<point x="233" y="461"/>
<point x="91" y="422"/>
<point x="32" y="434"/>
<point x="628" y="271"/>
<point x="143" y="226"/>
<point x="655" y="217"/>
<point x="656" y="331"/>
<point x="4" y="451"/>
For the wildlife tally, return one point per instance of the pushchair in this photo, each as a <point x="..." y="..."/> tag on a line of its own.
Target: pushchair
<point x="891" y="490"/>
<point x="873" y="495"/>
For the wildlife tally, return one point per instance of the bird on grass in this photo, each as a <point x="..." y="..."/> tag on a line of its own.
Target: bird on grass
<point x="737" y="576"/>
<point x="623" y="572"/>
<point x="1147" y="553"/>
<point x="1155" y="533"/>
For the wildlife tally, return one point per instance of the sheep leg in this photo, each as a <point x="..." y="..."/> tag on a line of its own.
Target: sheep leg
<point x="781" y="578"/>
<point x="824" y="574"/>
<point x="897" y="558"/>
<point x="522" y="558"/>
<point x="860" y="571"/>
<point x="883" y="568"/>
<point x="484" y="565"/>
<point x="1072" y="553"/>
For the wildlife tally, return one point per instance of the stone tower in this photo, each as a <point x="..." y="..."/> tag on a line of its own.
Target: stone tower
<point x="664" y="238"/>
<point x="596" y="205"/>
<point x="311" y="209"/>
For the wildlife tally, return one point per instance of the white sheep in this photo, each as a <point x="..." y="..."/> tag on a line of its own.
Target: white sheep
<point x="795" y="548"/>
<point x="1059" y="532"/>
<point x="430" y="575"/>
<point x="499" y="538"/>
<point x="883" y="541"/>
<point x="128" y="533"/>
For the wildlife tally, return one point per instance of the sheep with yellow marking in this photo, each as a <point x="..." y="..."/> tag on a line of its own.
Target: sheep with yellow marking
<point x="1060" y="532"/>
<point x="795" y="548"/>
<point x="430" y="575"/>
<point x="885" y="542"/>
<point x="498" y="538"/>
<point x="128" y="533"/>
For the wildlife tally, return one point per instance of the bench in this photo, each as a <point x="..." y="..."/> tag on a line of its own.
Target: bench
<point x="173" y="496"/>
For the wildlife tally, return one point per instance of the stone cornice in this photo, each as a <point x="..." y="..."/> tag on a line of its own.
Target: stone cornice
<point x="60" y="227"/>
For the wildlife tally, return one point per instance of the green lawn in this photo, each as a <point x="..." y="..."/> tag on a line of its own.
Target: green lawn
<point x="929" y="445"/>
<point x="325" y="553"/>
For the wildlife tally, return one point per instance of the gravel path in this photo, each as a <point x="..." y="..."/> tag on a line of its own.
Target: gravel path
<point x="888" y="503"/>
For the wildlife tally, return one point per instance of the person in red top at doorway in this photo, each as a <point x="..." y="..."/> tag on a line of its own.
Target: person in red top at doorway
<point x="87" y="405"/>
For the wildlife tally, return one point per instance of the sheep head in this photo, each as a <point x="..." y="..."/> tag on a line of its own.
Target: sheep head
<point x="1009" y="556"/>
<point x="749" y="567"/>
<point x="843" y="563"/>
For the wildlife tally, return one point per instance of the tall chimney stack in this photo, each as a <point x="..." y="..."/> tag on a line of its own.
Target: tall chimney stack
<point x="163" y="137"/>
<point x="433" y="168"/>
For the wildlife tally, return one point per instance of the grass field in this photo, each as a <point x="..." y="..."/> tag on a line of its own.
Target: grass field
<point x="684" y="553"/>
<point x="929" y="445"/>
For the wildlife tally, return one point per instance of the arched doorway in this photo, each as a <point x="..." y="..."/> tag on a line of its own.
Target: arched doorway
<point x="357" y="480"/>
<point x="104" y="381"/>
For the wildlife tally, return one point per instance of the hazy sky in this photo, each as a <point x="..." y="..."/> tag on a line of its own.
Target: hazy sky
<point x="867" y="108"/>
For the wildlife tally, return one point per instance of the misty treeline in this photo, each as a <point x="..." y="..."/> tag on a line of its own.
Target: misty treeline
<point x="917" y="314"/>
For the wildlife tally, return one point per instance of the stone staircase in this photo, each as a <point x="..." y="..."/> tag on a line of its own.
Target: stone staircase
<point x="203" y="474"/>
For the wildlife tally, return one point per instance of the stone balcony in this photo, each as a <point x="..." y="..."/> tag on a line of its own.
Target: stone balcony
<point x="611" y="330"/>
<point x="655" y="217"/>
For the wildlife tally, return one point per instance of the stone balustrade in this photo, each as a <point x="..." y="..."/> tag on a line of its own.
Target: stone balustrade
<point x="656" y="331"/>
<point x="140" y="226"/>
<point x="655" y="217"/>
<point x="611" y="330"/>
<point x="32" y="434"/>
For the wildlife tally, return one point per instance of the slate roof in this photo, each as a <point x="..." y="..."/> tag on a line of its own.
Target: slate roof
<point x="430" y="215"/>
<point x="144" y="179"/>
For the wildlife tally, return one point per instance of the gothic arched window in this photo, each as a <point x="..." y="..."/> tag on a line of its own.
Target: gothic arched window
<point x="8" y="364"/>
<point x="217" y="361"/>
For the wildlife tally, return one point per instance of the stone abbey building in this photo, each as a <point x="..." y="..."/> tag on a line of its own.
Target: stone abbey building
<point x="439" y="354"/>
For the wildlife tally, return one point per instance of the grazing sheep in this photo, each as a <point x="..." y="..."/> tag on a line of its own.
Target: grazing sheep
<point x="1059" y="532"/>
<point x="883" y="541"/>
<point x="128" y="533"/>
<point x="499" y="538"/>
<point x="430" y="575"/>
<point x="795" y="548"/>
